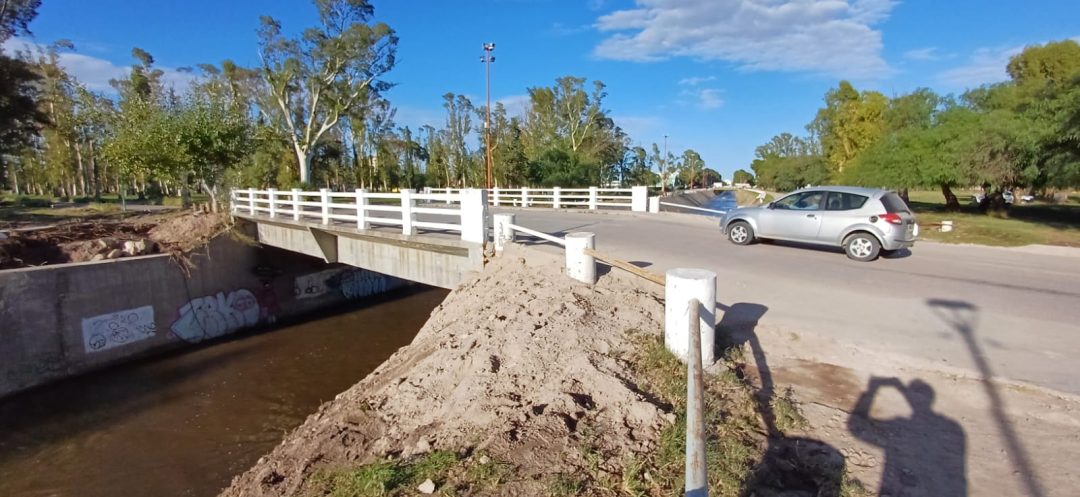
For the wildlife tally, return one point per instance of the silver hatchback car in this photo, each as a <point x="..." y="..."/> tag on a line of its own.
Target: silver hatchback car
<point x="865" y="222"/>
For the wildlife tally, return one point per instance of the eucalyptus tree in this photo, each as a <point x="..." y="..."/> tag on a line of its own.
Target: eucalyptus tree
<point x="459" y="125"/>
<point x="319" y="77"/>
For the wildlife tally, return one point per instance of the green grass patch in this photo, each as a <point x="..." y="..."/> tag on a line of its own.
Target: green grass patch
<point x="1024" y="224"/>
<point x="451" y="473"/>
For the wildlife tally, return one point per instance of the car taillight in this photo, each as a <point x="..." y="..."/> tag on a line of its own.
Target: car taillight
<point x="892" y="218"/>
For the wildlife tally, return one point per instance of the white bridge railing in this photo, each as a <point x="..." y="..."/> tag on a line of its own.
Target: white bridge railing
<point x="593" y="198"/>
<point x="365" y="209"/>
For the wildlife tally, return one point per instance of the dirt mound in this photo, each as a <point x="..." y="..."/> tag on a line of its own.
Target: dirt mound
<point x="109" y="239"/>
<point x="189" y="231"/>
<point x="520" y="364"/>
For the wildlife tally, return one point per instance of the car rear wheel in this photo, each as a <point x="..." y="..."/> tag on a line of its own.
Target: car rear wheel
<point x="740" y="233"/>
<point x="862" y="247"/>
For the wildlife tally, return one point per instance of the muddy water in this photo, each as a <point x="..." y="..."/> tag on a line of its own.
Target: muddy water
<point x="183" y="425"/>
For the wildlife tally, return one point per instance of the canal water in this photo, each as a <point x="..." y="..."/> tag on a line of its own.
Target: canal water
<point x="723" y="201"/>
<point x="185" y="424"/>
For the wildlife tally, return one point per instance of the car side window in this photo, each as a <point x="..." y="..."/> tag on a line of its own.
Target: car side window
<point x="844" y="201"/>
<point x="786" y="202"/>
<point x="809" y="201"/>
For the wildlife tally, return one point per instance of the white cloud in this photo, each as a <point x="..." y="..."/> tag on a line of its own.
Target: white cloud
<point x="95" y="72"/>
<point x="516" y="105"/>
<point x="696" y="80"/>
<point x="831" y="37"/>
<point x="985" y="66"/>
<point x="702" y="98"/>
<point x="929" y="53"/>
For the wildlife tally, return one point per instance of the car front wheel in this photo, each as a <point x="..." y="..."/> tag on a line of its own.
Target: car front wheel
<point x="862" y="247"/>
<point x="740" y="233"/>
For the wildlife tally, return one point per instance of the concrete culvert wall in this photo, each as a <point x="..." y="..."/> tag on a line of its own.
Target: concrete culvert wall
<point x="62" y="320"/>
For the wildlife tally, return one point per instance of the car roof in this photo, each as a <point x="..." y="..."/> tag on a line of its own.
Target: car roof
<point x="857" y="190"/>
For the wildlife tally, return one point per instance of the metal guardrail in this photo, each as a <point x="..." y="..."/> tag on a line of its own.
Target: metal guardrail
<point x="399" y="209"/>
<point x="697" y="480"/>
<point x="713" y="211"/>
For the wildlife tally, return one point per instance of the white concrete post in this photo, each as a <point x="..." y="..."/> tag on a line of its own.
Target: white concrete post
<point x="495" y="196"/>
<point x="639" y="198"/>
<point x="579" y="265"/>
<point x="296" y="204"/>
<point x="427" y="190"/>
<point x="654" y="205"/>
<point x="361" y="209"/>
<point x="408" y="217"/>
<point x="684" y="285"/>
<point x="251" y="201"/>
<point x="593" y="201"/>
<point x="504" y="234"/>
<point x="474" y="215"/>
<point x="324" y="202"/>
<point x="557" y="198"/>
<point x="273" y="202"/>
<point x="524" y="196"/>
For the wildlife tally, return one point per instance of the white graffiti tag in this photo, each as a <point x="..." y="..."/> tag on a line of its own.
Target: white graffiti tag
<point x="215" y="315"/>
<point x="118" y="328"/>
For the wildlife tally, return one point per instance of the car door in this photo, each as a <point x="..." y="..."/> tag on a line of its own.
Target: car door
<point x="840" y="212"/>
<point x="795" y="217"/>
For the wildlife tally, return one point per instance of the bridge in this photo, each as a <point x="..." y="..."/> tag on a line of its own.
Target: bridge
<point x="1026" y="299"/>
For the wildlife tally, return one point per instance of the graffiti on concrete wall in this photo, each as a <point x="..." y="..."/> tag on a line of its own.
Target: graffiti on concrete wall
<point x="350" y="283"/>
<point x="358" y="283"/>
<point x="314" y="285"/>
<point x="215" y="315"/>
<point x="118" y="328"/>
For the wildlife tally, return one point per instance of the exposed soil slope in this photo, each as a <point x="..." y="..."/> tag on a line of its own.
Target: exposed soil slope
<point x="516" y="364"/>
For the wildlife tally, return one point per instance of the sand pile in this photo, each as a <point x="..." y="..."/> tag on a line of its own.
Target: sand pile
<point x="518" y="363"/>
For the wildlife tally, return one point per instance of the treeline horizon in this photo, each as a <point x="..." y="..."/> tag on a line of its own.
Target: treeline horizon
<point x="1021" y="133"/>
<point x="313" y="113"/>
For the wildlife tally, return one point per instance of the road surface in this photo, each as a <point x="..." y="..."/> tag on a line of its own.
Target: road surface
<point x="1021" y="309"/>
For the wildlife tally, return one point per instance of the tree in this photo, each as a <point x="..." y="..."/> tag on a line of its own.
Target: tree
<point x="849" y="123"/>
<point x="692" y="169"/>
<point x="459" y="111"/>
<point x="742" y="176"/>
<point x="15" y="17"/>
<point x="1054" y="62"/>
<point x="19" y="116"/>
<point x="316" y="79"/>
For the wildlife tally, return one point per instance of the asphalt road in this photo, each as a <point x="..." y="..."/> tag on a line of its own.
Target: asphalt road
<point x="1012" y="313"/>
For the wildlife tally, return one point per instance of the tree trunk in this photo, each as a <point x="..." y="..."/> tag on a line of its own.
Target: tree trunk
<point x="81" y="169"/>
<point x="95" y="175"/>
<point x="14" y="178"/>
<point x="212" y="193"/>
<point x="304" y="161"/>
<point x="903" y="193"/>
<point x="951" y="202"/>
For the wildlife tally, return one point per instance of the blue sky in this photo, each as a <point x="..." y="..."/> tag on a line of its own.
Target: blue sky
<point x="718" y="76"/>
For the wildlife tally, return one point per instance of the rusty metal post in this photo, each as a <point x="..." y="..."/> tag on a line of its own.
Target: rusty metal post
<point x="697" y="482"/>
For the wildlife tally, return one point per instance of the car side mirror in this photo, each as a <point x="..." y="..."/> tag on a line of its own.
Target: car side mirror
<point x="770" y="205"/>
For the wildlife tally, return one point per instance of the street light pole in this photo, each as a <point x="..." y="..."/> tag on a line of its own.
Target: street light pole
<point x="487" y="59"/>
<point x="663" y="172"/>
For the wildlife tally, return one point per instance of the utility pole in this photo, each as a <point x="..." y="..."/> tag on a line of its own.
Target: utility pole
<point x="487" y="59"/>
<point x="663" y="170"/>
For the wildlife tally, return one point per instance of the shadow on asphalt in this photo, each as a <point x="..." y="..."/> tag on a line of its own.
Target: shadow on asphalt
<point x="962" y="317"/>
<point x="899" y="254"/>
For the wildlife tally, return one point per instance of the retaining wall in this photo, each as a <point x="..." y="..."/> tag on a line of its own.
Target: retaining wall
<point x="68" y="319"/>
<point x="696" y="198"/>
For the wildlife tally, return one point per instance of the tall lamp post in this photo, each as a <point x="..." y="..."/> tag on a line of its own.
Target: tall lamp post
<point x="663" y="171"/>
<point x="487" y="59"/>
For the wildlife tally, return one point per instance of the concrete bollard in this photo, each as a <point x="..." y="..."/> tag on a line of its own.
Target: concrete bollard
<point x="654" y="204"/>
<point x="579" y="265"/>
<point x="684" y="285"/>
<point x="504" y="234"/>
